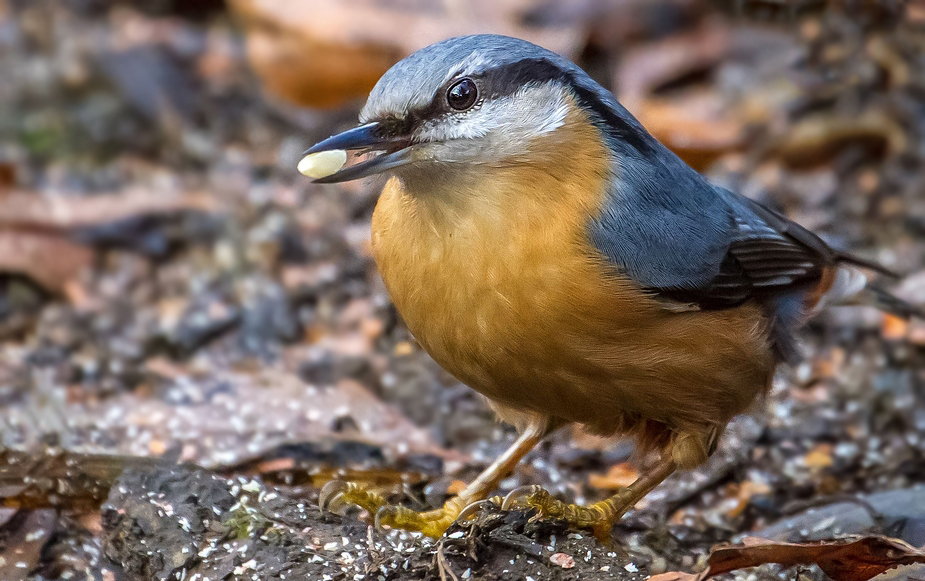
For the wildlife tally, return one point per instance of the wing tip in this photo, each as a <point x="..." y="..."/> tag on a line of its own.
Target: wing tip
<point x="859" y="262"/>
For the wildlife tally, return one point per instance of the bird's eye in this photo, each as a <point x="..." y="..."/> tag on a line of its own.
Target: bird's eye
<point x="462" y="94"/>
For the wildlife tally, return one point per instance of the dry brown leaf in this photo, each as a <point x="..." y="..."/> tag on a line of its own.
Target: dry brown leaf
<point x="326" y="52"/>
<point x="698" y="124"/>
<point x="673" y="576"/>
<point x="694" y="126"/>
<point x="618" y="476"/>
<point x="30" y="210"/>
<point x="815" y="139"/>
<point x="50" y="260"/>
<point x="857" y="559"/>
<point x="7" y="177"/>
<point x="915" y="11"/>
<point x="645" y="69"/>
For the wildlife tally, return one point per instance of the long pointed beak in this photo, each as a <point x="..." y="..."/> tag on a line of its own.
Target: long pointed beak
<point x="368" y="137"/>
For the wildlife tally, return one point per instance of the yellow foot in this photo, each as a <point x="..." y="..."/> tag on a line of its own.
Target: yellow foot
<point x="432" y="523"/>
<point x="599" y="517"/>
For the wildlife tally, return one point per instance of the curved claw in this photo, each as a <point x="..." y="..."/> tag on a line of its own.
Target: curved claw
<point x="471" y="510"/>
<point x="520" y="492"/>
<point x="331" y="494"/>
<point x="384" y="512"/>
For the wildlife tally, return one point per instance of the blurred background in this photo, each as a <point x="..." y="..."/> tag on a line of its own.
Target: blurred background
<point x="171" y="290"/>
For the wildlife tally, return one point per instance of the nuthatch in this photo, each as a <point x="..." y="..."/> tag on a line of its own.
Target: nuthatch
<point x="550" y="253"/>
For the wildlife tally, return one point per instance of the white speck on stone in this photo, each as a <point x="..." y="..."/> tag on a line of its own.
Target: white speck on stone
<point x="457" y="535"/>
<point x="631" y="567"/>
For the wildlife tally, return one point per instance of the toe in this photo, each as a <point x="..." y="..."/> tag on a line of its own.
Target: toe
<point x="519" y="494"/>
<point x="385" y="516"/>
<point x="331" y="496"/>
<point x="473" y="509"/>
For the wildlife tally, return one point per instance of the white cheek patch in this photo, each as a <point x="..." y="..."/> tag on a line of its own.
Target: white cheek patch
<point x="530" y="112"/>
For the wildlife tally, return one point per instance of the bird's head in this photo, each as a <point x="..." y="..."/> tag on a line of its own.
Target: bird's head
<point x="474" y="101"/>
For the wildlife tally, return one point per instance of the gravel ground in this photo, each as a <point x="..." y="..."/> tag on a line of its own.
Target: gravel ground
<point x="230" y="346"/>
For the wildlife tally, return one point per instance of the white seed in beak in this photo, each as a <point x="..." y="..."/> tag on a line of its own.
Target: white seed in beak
<point x="323" y="163"/>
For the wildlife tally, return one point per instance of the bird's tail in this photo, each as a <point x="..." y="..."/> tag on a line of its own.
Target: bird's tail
<point x="880" y="298"/>
<point x="852" y="287"/>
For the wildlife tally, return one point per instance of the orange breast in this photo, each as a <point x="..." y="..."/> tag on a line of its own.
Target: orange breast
<point x="494" y="274"/>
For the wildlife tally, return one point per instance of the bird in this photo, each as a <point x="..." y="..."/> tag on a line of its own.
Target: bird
<point x="551" y="254"/>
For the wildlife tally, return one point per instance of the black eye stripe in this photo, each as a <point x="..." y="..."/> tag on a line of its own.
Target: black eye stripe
<point x="507" y="79"/>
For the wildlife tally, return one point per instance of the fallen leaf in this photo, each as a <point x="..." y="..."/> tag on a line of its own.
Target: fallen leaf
<point x="327" y="52"/>
<point x="7" y="177"/>
<point x="696" y="126"/>
<point x="30" y="210"/>
<point x="815" y="139"/>
<point x="673" y="576"/>
<point x="647" y="68"/>
<point x="51" y="260"/>
<point x="618" y="476"/>
<point x="857" y="559"/>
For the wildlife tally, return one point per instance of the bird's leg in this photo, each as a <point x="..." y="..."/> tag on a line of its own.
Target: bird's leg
<point x="433" y="523"/>
<point x="600" y="516"/>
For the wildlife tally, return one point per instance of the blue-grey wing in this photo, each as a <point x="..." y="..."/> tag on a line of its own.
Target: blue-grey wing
<point x="681" y="238"/>
<point x="674" y="233"/>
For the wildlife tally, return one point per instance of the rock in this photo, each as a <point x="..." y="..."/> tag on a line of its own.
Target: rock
<point x="901" y="514"/>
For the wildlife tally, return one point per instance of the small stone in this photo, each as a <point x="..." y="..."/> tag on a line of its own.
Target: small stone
<point x="563" y="560"/>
